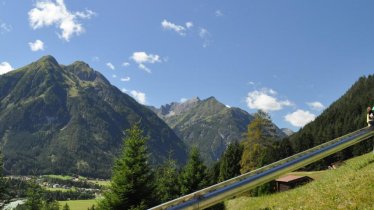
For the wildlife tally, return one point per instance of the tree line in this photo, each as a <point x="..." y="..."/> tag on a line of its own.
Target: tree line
<point x="135" y="185"/>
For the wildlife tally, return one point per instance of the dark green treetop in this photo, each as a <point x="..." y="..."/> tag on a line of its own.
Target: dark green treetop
<point x="132" y="181"/>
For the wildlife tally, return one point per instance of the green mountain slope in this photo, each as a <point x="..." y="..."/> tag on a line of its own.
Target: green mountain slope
<point x="207" y="124"/>
<point x="345" y="115"/>
<point x="348" y="187"/>
<point x="70" y="119"/>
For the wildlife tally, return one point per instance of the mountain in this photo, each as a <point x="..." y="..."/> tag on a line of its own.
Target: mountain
<point x="345" y="115"/>
<point x="175" y="108"/>
<point x="70" y="119"/>
<point x="207" y="124"/>
<point x="287" y="131"/>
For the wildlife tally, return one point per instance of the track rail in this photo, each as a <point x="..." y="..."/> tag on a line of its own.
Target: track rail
<point x="230" y="188"/>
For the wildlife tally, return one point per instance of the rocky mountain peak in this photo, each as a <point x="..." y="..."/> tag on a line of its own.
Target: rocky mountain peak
<point x="47" y="59"/>
<point x="83" y="71"/>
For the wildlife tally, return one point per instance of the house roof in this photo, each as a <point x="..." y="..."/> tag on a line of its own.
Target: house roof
<point x="289" y="178"/>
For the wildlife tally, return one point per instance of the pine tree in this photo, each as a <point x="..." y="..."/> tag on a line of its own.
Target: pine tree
<point x="194" y="175"/>
<point x="213" y="173"/>
<point x="258" y="144"/>
<point x="91" y="208"/>
<point x="230" y="162"/>
<point x="51" y="205"/>
<point x="285" y="149"/>
<point x="2" y="180"/>
<point x="34" y="196"/>
<point x="167" y="181"/>
<point x="132" y="181"/>
<point x="66" y="207"/>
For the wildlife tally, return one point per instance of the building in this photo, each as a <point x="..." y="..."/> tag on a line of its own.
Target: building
<point x="291" y="181"/>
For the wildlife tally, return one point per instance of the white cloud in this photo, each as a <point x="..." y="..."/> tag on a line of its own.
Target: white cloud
<point x="5" y="67"/>
<point x="316" y="105"/>
<point x="218" y="13"/>
<point x="125" y="64"/>
<point x="139" y="96"/>
<point x="203" y="32"/>
<point x="86" y="14"/>
<point x="124" y="90"/>
<point x="183" y="100"/>
<point x="205" y="36"/>
<point x="189" y="24"/>
<point x="4" y="28"/>
<point x="265" y="99"/>
<point x="172" y="26"/>
<point x="37" y="45"/>
<point x="125" y="79"/>
<point x="110" y="65"/>
<point x="47" y="13"/>
<point x="143" y="67"/>
<point x="114" y="76"/>
<point x="228" y="106"/>
<point x="142" y="57"/>
<point x="299" y="118"/>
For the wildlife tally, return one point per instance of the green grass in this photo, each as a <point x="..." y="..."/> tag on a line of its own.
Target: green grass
<point x="59" y="177"/>
<point x="58" y="189"/>
<point x="79" y="204"/>
<point x="105" y="183"/>
<point x="349" y="187"/>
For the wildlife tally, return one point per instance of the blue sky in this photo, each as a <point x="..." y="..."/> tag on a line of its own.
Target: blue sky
<point x="290" y="58"/>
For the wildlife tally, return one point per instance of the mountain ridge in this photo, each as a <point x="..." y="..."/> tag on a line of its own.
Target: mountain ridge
<point x="207" y="124"/>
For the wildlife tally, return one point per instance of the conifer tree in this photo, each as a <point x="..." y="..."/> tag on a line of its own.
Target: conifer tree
<point x="132" y="180"/>
<point x="91" y="208"/>
<point x="257" y="147"/>
<point x="213" y="173"/>
<point x="2" y="180"/>
<point x="230" y="162"/>
<point x="194" y="174"/>
<point x="34" y="196"/>
<point x="167" y="181"/>
<point x="51" y="205"/>
<point x="66" y="207"/>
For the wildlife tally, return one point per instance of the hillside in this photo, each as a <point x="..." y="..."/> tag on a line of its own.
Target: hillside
<point x="348" y="187"/>
<point x="345" y="115"/>
<point x="207" y="124"/>
<point x="69" y="119"/>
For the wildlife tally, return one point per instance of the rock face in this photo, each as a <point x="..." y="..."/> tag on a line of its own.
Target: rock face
<point x="287" y="131"/>
<point x="207" y="124"/>
<point x="70" y="119"/>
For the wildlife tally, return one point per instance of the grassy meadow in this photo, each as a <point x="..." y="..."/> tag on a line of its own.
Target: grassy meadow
<point x="349" y="187"/>
<point x="79" y="204"/>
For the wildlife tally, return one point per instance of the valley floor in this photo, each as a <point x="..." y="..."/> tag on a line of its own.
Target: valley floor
<point x="349" y="187"/>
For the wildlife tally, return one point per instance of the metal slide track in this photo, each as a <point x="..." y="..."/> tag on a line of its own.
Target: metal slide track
<point x="230" y="188"/>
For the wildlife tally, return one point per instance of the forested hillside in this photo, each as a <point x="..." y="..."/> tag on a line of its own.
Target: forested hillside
<point x="345" y="115"/>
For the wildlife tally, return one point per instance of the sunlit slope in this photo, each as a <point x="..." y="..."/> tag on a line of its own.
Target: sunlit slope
<point x="349" y="187"/>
